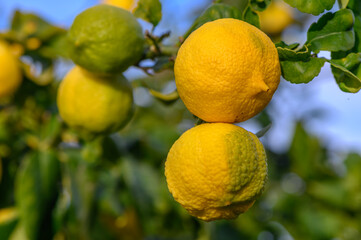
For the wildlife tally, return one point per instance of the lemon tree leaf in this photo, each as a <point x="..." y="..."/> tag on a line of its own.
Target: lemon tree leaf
<point x="263" y="131"/>
<point x="355" y="6"/>
<point x="301" y="71"/>
<point x="259" y="5"/>
<point x="289" y="53"/>
<point x="347" y="72"/>
<point x="149" y="10"/>
<point x="314" y="7"/>
<point x="165" y="98"/>
<point x="26" y="25"/>
<point x="332" y="32"/>
<point x="342" y="3"/>
<point x="251" y="17"/>
<point x="214" y="12"/>
<point x="36" y="192"/>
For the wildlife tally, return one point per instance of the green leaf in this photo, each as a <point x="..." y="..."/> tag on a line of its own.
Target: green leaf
<point x="355" y="6"/>
<point x="304" y="153"/>
<point x="289" y="53"/>
<point x="8" y="220"/>
<point x="347" y="72"/>
<point x="26" y="25"/>
<point x="314" y="7"/>
<point x="149" y="10"/>
<point x="332" y="32"/>
<point x="263" y="131"/>
<point x="259" y="5"/>
<point x="251" y="17"/>
<point x="214" y="12"/>
<point x="342" y="3"/>
<point x="36" y="191"/>
<point x="165" y="98"/>
<point x="301" y="71"/>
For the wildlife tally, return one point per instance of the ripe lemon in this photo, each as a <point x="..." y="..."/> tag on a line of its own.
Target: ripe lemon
<point x="216" y="170"/>
<point x="227" y="71"/>
<point x="105" y="39"/>
<point x="94" y="104"/>
<point x="276" y="17"/>
<point x="10" y="72"/>
<point x="126" y="4"/>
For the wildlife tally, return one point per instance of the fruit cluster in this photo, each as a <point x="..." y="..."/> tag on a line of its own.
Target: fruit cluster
<point x="226" y="71"/>
<point x="94" y="97"/>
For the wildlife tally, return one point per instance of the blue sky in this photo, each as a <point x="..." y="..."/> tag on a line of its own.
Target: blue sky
<point x="339" y="128"/>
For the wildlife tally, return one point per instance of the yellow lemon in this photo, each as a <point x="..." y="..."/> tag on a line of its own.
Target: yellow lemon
<point x="227" y="71"/>
<point x="276" y="17"/>
<point x="94" y="104"/>
<point x="10" y="72"/>
<point x="216" y="170"/>
<point x="129" y="5"/>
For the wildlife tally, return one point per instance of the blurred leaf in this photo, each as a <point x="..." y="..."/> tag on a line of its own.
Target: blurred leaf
<point x="332" y="32"/>
<point x="162" y="63"/>
<point x="305" y="153"/>
<point x="44" y="78"/>
<point x="26" y="25"/>
<point x="214" y="12"/>
<point x="145" y="185"/>
<point x="165" y="98"/>
<point x="347" y="72"/>
<point x="8" y="220"/>
<point x="314" y="7"/>
<point x="82" y="176"/>
<point x="251" y="17"/>
<point x="149" y="10"/>
<point x="301" y="71"/>
<point x="355" y="6"/>
<point x="342" y="3"/>
<point x="36" y="191"/>
<point x="289" y="53"/>
<point x="259" y="5"/>
<point x="263" y="131"/>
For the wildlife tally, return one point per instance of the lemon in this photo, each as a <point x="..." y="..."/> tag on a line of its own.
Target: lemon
<point x="227" y="71"/>
<point x="10" y="72"/>
<point x="105" y="39"/>
<point x="216" y="170"/>
<point x="94" y="104"/>
<point x="126" y="4"/>
<point x="276" y="17"/>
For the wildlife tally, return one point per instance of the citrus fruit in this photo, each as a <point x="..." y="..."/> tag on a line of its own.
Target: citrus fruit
<point x="94" y="104"/>
<point x="105" y="39"/>
<point x="216" y="170"/>
<point x="227" y="71"/>
<point x="10" y="72"/>
<point x="126" y="4"/>
<point x="276" y="17"/>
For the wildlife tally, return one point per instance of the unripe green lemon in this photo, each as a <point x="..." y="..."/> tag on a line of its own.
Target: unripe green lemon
<point x="106" y="39"/>
<point x="95" y="104"/>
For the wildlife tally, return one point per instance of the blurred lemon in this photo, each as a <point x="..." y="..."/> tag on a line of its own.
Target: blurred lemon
<point x="10" y="72"/>
<point x="216" y="170"/>
<point x="129" y="5"/>
<point x="105" y="39"/>
<point x="98" y="105"/>
<point x="227" y="71"/>
<point x="276" y="17"/>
